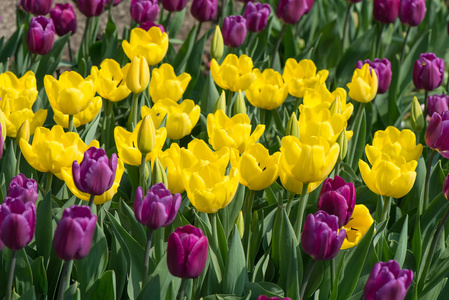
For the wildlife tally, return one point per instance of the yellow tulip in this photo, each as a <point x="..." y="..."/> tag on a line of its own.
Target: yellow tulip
<point x="52" y="150"/>
<point x="146" y="136"/>
<point x="23" y="132"/>
<point x="321" y="95"/>
<point x="80" y="118"/>
<point x="171" y="160"/>
<point x="151" y="44"/>
<point x="3" y="125"/>
<point x="198" y="154"/>
<point x="363" y="87"/>
<point x="301" y="76"/>
<point x="217" y="45"/>
<point x="356" y="228"/>
<point x="294" y="186"/>
<point x="106" y="196"/>
<point x="17" y="93"/>
<point x="110" y="80"/>
<point x="70" y="94"/>
<point x="268" y="90"/>
<point x="232" y="132"/>
<point x="235" y="73"/>
<point x="165" y="84"/>
<point x="138" y="75"/>
<point x="308" y="160"/>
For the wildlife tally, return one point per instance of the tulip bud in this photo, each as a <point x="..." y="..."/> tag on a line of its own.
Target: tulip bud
<point x="221" y="102"/>
<point x="23" y="132"/>
<point x="416" y="116"/>
<point x="64" y="18"/>
<point x="234" y="31"/>
<point x="412" y="12"/>
<point x="143" y="11"/>
<point x="96" y="172"/>
<point x="240" y="224"/>
<point x="159" y="175"/>
<point x="41" y="35"/>
<point x="217" y="45"/>
<point x="239" y="104"/>
<point x="446" y="187"/>
<point x="290" y="11"/>
<point x="91" y="8"/>
<point x="387" y="281"/>
<point x="204" y="10"/>
<point x="438" y="104"/>
<point x="428" y="72"/>
<point x="146" y="137"/>
<point x="343" y="142"/>
<point x="74" y="233"/>
<point x="187" y="252"/>
<point x="335" y="107"/>
<point x="385" y="11"/>
<point x="147" y="25"/>
<point x="256" y="15"/>
<point x="292" y="126"/>
<point x="138" y="76"/>
<point x="383" y="72"/>
<point x="174" y="5"/>
<point x="37" y="7"/>
<point x="437" y="133"/>
<point x="23" y="188"/>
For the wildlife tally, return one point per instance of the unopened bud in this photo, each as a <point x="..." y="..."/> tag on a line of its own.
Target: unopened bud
<point x="416" y="115"/>
<point x="217" y="45"/>
<point x="292" y="126"/>
<point x="23" y="132"/>
<point x="335" y="107"/>
<point x="240" y="224"/>
<point x="146" y="138"/>
<point x="221" y="102"/>
<point x="239" y="105"/>
<point x="342" y="141"/>
<point x="159" y="174"/>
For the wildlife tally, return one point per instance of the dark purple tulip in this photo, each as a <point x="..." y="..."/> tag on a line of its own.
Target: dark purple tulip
<point x="320" y="237"/>
<point x="437" y="133"/>
<point x="263" y="297"/>
<point x="91" y="8"/>
<point x="256" y="15"/>
<point x="290" y="11"/>
<point x="158" y="208"/>
<point x="143" y="11"/>
<point x="147" y="25"/>
<point x="37" y="7"/>
<point x="187" y="252"/>
<point x="41" y="35"/>
<point x="386" y="11"/>
<point x="387" y="281"/>
<point x="64" y="18"/>
<point x="412" y="12"/>
<point x="17" y="223"/>
<point x="73" y="235"/>
<point x="96" y="173"/>
<point x="23" y="188"/>
<point x="337" y="198"/>
<point x="438" y="104"/>
<point x="309" y="6"/>
<point x="234" y="31"/>
<point x="428" y="72"/>
<point x="204" y="10"/>
<point x="174" y="5"/>
<point x="383" y="72"/>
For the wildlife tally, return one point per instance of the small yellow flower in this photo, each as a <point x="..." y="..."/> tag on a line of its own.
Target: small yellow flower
<point x="152" y="44"/>
<point x="80" y="118"/>
<point x="17" y="93"/>
<point x="357" y="226"/>
<point x="138" y="76"/>
<point x="235" y="73"/>
<point x="110" y="80"/>
<point x="165" y="84"/>
<point x="14" y="120"/>
<point x="171" y="161"/>
<point x="321" y="94"/>
<point x="268" y="90"/>
<point x="198" y="154"/>
<point x="363" y="87"/>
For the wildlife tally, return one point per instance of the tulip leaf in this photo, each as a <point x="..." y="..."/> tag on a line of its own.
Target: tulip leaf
<point x="73" y="292"/>
<point x="315" y="279"/>
<point x="416" y="242"/>
<point x="9" y="162"/>
<point x="28" y="295"/>
<point x="44" y="228"/>
<point x="90" y="130"/>
<point x="357" y="143"/>
<point x="176" y="23"/>
<point x="401" y="250"/>
<point x="137" y="230"/>
<point x="268" y="289"/>
<point x="230" y="212"/>
<point x="10" y="47"/>
<point x="39" y="275"/>
<point x="209" y="96"/>
<point x="434" y="292"/>
<point x="119" y="265"/>
<point x="23" y="278"/>
<point x="235" y="275"/>
<point x="103" y="288"/>
<point x="183" y="55"/>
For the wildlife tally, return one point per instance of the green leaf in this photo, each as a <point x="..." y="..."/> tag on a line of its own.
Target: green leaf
<point x="9" y="162"/>
<point x="401" y="250"/>
<point x="28" y="295"/>
<point x="184" y="52"/>
<point x="230" y="212"/>
<point x="23" y="277"/>
<point x="44" y="228"/>
<point x="137" y="230"/>
<point x="357" y="143"/>
<point x="119" y="265"/>
<point x="10" y="47"/>
<point x="176" y="23"/>
<point x="39" y="275"/>
<point x="103" y="288"/>
<point x="235" y="275"/>
<point x="91" y="129"/>
<point x="209" y="96"/>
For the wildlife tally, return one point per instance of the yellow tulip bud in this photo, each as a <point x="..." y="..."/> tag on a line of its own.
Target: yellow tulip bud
<point x="335" y="107"/>
<point x="221" y="102"/>
<point x="24" y="132"/>
<point x="138" y="75"/>
<point x="159" y="174"/>
<point x="217" y="45"/>
<point x="363" y="87"/>
<point x="239" y="104"/>
<point x="240" y="224"/>
<point x="342" y="141"/>
<point x="416" y="115"/>
<point x="146" y="138"/>
<point x="292" y="126"/>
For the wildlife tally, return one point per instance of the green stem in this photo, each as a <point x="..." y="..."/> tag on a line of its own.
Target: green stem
<point x="142" y="172"/>
<point x="405" y="44"/>
<point x="379" y="40"/>
<point x="306" y="278"/>
<point x="198" y="31"/>
<point x="355" y="127"/>
<point x="425" y="203"/>
<point x="12" y="266"/>
<point x="229" y="96"/>
<point x="332" y="272"/>
<point x="167" y="21"/>
<point x="301" y="208"/>
<point x="69" y="45"/>
<point x="297" y="104"/>
<point x="70" y="123"/>
<point x="182" y="289"/>
<point x="278" y="43"/>
<point x="91" y="200"/>
<point x="426" y="105"/>
<point x="86" y="37"/>
<point x="386" y="208"/>
<point x="146" y="262"/>
<point x="49" y="181"/>
<point x="132" y="121"/>
<point x="247" y="209"/>
<point x="290" y="202"/>
<point x="348" y="13"/>
<point x="64" y="279"/>
<point x="213" y="220"/>
<point x="262" y="116"/>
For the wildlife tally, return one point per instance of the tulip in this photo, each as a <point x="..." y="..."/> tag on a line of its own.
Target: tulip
<point x="416" y="114"/>
<point x="294" y="186"/>
<point x="138" y="76"/>
<point x="437" y="133"/>
<point x="41" y="35"/>
<point x="158" y="208"/>
<point x="151" y="44"/>
<point x="387" y="281"/>
<point x="268" y="90"/>
<point x="64" y="18"/>
<point x="17" y="93"/>
<point x="204" y="10"/>
<point x="91" y="8"/>
<point x="37" y="7"/>
<point x="364" y="84"/>
<point x="174" y="5"/>
<point x="385" y="11"/>
<point x="428" y="72"/>
<point x="13" y="121"/>
<point x="83" y="117"/>
<point x="437" y="104"/>
<point x="361" y="220"/>
<point x="23" y="188"/>
<point x="147" y="25"/>
<point x="110" y="80"/>
<point x="383" y="72"/>
<point x="217" y="45"/>
<point x="337" y="198"/>
<point x="159" y="174"/>
<point x="412" y="12"/>
<point x="263" y="297"/>
<point x="146" y="137"/>
<point x="74" y="233"/>
<point x="165" y="84"/>
<point x="199" y="154"/>
<point x="171" y="162"/>
<point x="320" y="237"/>
<point x="143" y="11"/>
<point x="256" y="16"/>
<point x="292" y="127"/>
<point x="290" y="11"/>
<point x="187" y="252"/>
<point x="235" y="73"/>
<point x="17" y="223"/>
<point x="234" y="31"/>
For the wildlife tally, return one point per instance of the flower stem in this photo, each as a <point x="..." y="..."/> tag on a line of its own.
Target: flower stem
<point x="12" y="266"/>
<point x="91" y="200"/>
<point x="49" y="181"/>
<point x="167" y="21"/>
<point x="426" y="105"/>
<point x="142" y="172"/>
<point x="306" y="278"/>
<point x="198" y="31"/>
<point x="301" y="208"/>
<point x="386" y="208"/>
<point x="348" y="13"/>
<point x="355" y="127"/>
<point x="146" y="262"/>
<point x="69" y="45"/>
<point x="290" y="202"/>
<point x="70" y="123"/>
<point x="182" y="289"/>
<point x="278" y="43"/>
<point x="379" y="40"/>
<point x="404" y="45"/>
<point x="213" y="220"/>
<point x="423" y="206"/>
<point x="132" y="120"/>
<point x="63" y="283"/>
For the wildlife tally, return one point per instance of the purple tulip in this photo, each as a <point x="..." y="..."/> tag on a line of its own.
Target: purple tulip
<point x="204" y="10"/>
<point x="412" y="12"/>
<point x="383" y="72"/>
<point x="174" y="5"/>
<point x="73" y="235"/>
<point x="64" y="18"/>
<point x="428" y="72"/>
<point x="437" y="133"/>
<point x="387" y="281"/>
<point x="91" y="8"/>
<point x="37" y="7"/>
<point x="17" y="223"/>
<point x="234" y="31"/>
<point x="386" y="11"/>
<point x="147" y="25"/>
<point x="143" y="11"/>
<point x="320" y="237"/>
<point x="41" y="35"/>
<point x="438" y="104"/>
<point x="23" y="188"/>
<point x="187" y="252"/>
<point x="290" y="11"/>
<point x="256" y="15"/>
<point x="158" y="208"/>
<point x="309" y="6"/>
<point x="96" y="173"/>
<point x="337" y="198"/>
<point x="263" y="297"/>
